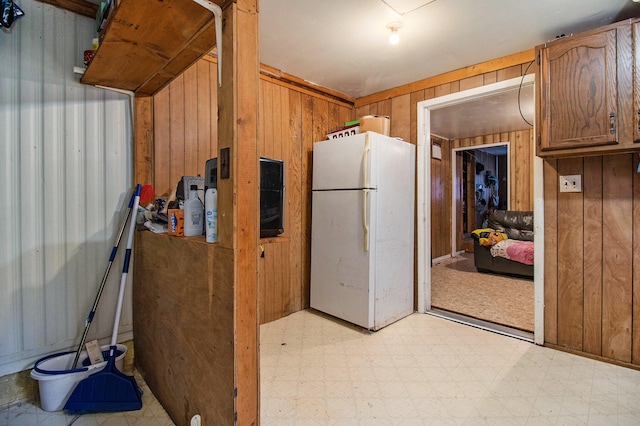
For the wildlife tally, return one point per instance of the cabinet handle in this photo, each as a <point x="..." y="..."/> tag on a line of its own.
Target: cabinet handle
<point x="638" y="121"/>
<point x="612" y="123"/>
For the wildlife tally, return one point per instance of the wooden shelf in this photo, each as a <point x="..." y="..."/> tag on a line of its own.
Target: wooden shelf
<point x="147" y="43"/>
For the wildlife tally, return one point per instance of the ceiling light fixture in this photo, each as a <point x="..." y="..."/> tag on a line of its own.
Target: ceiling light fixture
<point x="394" y="37"/>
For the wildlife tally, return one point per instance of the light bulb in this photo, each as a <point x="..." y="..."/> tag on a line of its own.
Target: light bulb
<point x="394" y="37"/>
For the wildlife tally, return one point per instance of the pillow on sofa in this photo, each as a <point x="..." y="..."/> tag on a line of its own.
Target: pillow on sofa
<point x="488" y="237"/>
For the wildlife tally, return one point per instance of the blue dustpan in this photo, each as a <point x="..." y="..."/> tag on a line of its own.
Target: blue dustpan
<point x="107" y="390"/>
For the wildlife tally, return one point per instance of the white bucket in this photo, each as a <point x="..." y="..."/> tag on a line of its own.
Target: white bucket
<point x="57" y="381"/>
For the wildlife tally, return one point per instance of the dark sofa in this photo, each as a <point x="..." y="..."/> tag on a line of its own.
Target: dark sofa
<point x="517" y="225"/>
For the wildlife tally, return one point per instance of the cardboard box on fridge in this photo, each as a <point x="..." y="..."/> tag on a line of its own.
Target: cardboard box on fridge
<point x="375" y="123"/>
<point x="176" y="222"/>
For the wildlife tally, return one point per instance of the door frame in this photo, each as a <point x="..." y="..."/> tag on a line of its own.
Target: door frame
<point x="424" y="198"/>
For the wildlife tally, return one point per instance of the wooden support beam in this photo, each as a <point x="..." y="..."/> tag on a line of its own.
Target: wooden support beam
<point x="143" y="140"/>
<point x="238" y="207"/>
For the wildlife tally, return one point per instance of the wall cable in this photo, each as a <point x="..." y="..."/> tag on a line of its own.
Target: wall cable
<point x="524" y="74"/>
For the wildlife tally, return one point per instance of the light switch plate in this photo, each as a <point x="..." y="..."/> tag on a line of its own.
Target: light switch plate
<point x="571" y="183"/>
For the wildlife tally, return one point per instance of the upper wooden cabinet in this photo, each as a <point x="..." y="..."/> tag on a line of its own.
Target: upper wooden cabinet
<point x="585" y="93"/>
<point x="147" y="43"/>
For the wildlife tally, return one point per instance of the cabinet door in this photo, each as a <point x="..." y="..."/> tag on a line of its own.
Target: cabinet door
<point x="579" y="92"/>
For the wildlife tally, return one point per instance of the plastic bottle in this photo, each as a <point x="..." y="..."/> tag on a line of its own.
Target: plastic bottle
<point x="193" y="214"/>
<point x="211" y="215"/>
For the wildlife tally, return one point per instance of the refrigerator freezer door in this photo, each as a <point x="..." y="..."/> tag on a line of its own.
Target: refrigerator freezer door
<point x="342" y="278"/>
<point x="345" y="163"/>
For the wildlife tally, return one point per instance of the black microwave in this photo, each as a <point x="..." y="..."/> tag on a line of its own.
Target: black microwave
<point x="272" y="186"/>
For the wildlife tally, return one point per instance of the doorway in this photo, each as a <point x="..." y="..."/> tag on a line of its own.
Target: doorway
<point x="480" y="181"/>
<point x="425" y="153"/>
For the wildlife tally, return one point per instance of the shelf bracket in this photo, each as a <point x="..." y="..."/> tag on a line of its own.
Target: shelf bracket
<point x="217" y="14"/>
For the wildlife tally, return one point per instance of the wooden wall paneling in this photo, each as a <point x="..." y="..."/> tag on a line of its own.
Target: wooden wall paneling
<point x="188" y="364"/>
<point x="570" y="260"/>
<point x="440" y="214"/>
<point x="362" y="111"/>
<point x="373" y="109"/>
<point x="448" y="191"/>
<point x="416" y="97"/>
<point x="509" y="73"/>
<point x="490" y="77"/>
<point x="472" y="82"/>
<point x="191" y="165"/>
<point x="458" y="203"/>
<point x="618" y="257"/>
<point x="320" y="119"/>
<point x="635" y="338"/>
<point x="176" y="131"/>
<point x="443" y="89"/>
<point x="266" y="118"/>
<point x="263" y="284"/>
<point x="207" y="112"/>
<point x="592" y="189"/>
<point x="143" y="140"/>
<point x="384" y="108"/>
<point x="334" y="116"/>
<point x="347" y="114"/>
<point x="296" y="200"/>
<point x="283" y="275"/>
<point x="550" y="177"/>
<point x="429" y="93"/>
<point x="284" y="151"/>
<point x="265" y="137"/>
<point x="270" y="305"/>
<point x="161" y="143"/>
<point x="521" y="163"/>
<point x="280" y="122"/>
<point x="401" y="125"/>
<point x="307" y="139"/>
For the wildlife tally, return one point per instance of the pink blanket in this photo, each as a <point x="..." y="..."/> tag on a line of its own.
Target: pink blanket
<point x="521" y="252"/>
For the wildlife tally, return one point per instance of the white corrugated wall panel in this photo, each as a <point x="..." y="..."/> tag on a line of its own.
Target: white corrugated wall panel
<point x="66" y="176"/>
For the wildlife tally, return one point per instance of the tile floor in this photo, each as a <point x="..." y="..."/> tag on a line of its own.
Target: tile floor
<point x="425" y="370"/>
<point x="421" y="370"/>
<point x="28" y="414"/>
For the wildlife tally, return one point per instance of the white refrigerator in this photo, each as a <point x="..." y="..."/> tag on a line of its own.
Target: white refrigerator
<point x="362" y="229"/>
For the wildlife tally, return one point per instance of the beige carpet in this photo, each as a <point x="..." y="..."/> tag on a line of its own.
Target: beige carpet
<point x="456" y="286"/>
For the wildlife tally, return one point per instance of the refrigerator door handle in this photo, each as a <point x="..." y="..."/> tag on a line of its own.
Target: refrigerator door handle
<point x="365" y="161"/>
<point x="365" y="225"/>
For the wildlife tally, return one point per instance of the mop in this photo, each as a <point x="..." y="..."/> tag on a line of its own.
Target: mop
<point x="109" y="389"/>
<point x="112" y="257"/>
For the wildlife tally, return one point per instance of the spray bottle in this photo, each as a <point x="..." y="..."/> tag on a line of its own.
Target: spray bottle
<point x="211" y="215"/>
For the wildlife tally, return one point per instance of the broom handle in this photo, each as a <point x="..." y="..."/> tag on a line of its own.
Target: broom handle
<point x="125" y="268"/>
<point x="114" y="251"/>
